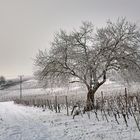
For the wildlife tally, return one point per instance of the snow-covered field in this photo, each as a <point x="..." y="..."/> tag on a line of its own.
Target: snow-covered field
<point x="27" y="123"/>
<point x="19" y="122"/>
<point x="31" y="88"/>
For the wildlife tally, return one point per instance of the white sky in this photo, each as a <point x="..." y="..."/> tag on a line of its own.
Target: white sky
<point x="29" y="25"/>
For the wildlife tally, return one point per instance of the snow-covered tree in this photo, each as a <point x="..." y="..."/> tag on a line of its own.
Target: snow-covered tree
<point x="2" y="80"/>
<point x="86" y="56"/>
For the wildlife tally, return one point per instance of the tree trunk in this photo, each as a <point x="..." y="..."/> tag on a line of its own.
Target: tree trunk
<point x="90" y="98"/>
<point x="91" y="92"/>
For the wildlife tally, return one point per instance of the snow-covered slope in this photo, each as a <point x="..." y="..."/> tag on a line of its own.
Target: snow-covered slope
<point x="28" y="123"/>
<point x="27" y="83"/>
<point x="20" y="123"/>
<point x="30" y="87"/>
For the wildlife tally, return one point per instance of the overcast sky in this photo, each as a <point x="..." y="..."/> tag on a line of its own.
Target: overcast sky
<point x="29" y="25"/>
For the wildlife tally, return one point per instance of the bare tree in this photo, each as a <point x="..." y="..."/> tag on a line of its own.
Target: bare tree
<point x="2" y="80"/>
<point x="86" y="56"/>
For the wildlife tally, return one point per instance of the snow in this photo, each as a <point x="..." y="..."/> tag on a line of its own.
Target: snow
<point x="109" y="88"/>
<point x="31" y="88"/>
<point x="19" y="122"/>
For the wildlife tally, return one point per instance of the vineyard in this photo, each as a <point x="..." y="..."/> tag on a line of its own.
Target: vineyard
<point x="121" y="107"/>
<point x="117" y="107"/>
<point x="116" y="112"/>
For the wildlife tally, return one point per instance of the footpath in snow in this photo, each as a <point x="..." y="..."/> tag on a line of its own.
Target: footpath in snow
<point x="19" y="122"/>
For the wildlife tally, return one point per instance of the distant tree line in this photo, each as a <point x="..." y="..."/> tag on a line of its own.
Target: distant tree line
<point x="7" y="83"/>
<point x="2" y="80"/>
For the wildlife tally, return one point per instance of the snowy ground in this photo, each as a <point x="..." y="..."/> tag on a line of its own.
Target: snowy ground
<point x="27" y="123"/>
<point x="30" y="89"/>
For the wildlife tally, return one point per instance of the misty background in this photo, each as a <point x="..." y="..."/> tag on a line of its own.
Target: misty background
<point x="29" y="25"/>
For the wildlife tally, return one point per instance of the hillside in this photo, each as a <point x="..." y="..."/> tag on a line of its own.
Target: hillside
<point x="30" y="87"/>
